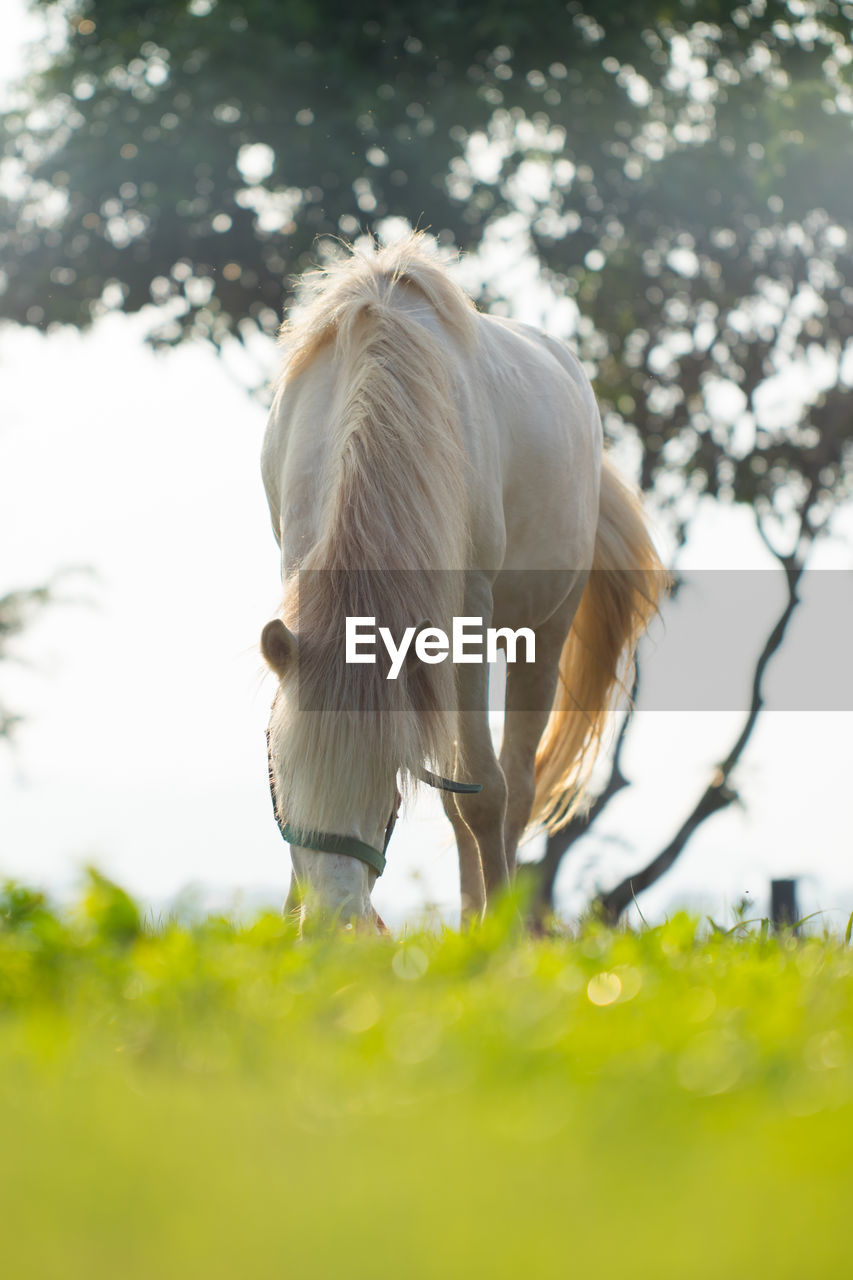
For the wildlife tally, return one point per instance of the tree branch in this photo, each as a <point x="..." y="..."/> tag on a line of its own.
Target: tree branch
<point x="559" y="842"/>
<point x="719" y="794"/>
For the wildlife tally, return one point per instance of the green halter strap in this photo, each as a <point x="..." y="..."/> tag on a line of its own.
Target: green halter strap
<point x="325" y="842"/>
<point x="328" y="842"/>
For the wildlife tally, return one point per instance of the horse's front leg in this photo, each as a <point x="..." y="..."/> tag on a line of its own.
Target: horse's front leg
<point x="483" y="812"/>
<point x="472" y="888"/>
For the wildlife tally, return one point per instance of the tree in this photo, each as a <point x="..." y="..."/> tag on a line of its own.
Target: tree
<point x="682" y="175"/>
<point x="194" y="151"/>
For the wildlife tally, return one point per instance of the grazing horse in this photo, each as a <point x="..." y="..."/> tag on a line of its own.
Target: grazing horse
<point x="425" y="462"/>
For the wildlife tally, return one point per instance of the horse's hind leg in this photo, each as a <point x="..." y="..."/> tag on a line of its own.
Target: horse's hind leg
<point x="530" y="693"/>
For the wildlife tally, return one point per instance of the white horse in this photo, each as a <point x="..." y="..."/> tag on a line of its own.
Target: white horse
<point x="422" y="462"/>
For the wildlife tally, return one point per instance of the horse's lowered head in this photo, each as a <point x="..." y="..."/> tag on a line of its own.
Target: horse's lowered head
<point x="334" y="791"/>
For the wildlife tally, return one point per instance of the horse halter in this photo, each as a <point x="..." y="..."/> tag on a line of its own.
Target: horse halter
<point x="328" y="842"/>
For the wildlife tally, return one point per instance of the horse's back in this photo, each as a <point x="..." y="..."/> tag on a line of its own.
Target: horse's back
<point x="543" y="419"/>
<point x="529" y="426"/>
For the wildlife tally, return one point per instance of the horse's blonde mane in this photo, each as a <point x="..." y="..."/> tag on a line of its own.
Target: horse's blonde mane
<point x="330" y="299"/>
<point x="395" y="508"/>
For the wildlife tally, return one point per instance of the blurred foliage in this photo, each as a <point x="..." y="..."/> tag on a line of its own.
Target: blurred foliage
<point x="218" y="1097"/>
<point x="681" y="170"/>
<point x="17" y="610"/>
<point x="110" y="913"/>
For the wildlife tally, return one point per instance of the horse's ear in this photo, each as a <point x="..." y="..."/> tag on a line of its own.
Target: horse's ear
<point x="278" y="645"/>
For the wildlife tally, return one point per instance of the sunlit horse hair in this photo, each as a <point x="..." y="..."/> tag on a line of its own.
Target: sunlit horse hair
<point x="395" y="501"/>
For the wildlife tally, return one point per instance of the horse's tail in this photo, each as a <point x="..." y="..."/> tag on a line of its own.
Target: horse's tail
<point x="620" y="598"/>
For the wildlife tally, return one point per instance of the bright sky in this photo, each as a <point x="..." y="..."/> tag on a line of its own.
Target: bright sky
<point x="143" y="749"/>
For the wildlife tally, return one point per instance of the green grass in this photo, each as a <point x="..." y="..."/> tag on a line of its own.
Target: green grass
<point x="217" y="1099"/>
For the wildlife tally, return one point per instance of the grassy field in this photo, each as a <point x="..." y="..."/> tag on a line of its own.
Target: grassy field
<point x="213" y="1099"/>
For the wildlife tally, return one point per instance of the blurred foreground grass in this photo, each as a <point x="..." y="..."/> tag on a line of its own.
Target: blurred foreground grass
<point x="212" y="1099"/>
